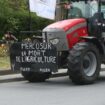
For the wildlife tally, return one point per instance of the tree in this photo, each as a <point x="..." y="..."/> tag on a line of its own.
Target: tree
<point x="17" y="5"/>
<point x="14" y="16"/>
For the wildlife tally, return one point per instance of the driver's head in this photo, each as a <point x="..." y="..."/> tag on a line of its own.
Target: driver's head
<point x="68" y="5"/>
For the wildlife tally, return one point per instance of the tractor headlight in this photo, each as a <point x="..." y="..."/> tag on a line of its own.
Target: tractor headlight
<point x="54" y="41"/>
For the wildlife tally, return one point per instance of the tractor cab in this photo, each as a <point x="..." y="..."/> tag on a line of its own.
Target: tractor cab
<point x="82" y="8"/>
<point x="91" y="10"/>
<point x="79" y="8"/>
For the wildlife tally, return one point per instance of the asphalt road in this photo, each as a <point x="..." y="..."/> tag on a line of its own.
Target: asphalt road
<point x="55" y="91"/>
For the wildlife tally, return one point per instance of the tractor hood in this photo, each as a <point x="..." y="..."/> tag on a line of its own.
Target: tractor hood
<point x="66" y="24"/>
<point x="62" y="30"/>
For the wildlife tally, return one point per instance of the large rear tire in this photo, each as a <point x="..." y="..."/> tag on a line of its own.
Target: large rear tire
<point x="35" y="76"/>
<point x="84" y="63"/>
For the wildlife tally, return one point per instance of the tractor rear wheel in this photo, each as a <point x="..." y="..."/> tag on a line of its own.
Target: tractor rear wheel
<point x="35" y="76"/>
<point x="84" y="63"/>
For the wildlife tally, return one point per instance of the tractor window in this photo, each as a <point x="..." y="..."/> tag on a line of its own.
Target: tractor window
<point x="93" y="7"/>
<point x="103" y="9"/>
<point x="76" y="10"/>
<point x="83" y="9"/>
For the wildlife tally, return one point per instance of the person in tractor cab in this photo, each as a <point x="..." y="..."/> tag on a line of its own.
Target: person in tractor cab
<point x="72" y="11"/>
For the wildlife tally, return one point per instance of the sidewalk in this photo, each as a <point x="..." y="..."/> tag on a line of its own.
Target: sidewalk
<point x="11" y="78"/>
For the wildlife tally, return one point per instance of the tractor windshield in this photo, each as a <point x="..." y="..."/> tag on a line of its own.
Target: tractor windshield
<point x="82" y="9"/>
<point x="103" y="9"/>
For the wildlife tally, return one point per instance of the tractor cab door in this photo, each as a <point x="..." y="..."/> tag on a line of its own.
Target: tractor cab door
<point x="97" y="19"/>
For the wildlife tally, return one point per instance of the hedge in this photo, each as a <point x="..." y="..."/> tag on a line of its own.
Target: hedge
<point x="19" y="21"/>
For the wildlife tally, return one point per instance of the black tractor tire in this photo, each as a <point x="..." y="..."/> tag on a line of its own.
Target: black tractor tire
<point x="84" y="63"/>
<point x="35" y="76"/>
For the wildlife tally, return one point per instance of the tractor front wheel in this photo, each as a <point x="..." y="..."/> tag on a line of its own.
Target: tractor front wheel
<point x="84" y="63"/>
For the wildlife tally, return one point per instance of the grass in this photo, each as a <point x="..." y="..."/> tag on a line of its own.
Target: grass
<point x="4" y="58"/>
<point x="4" y="63"/>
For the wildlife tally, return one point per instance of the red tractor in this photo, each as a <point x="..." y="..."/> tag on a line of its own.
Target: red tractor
<point x="77" y="43"/>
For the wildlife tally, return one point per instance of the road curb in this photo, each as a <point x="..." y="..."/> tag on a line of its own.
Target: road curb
<point x="11" y="78"/>
<point x="7" y="72"/>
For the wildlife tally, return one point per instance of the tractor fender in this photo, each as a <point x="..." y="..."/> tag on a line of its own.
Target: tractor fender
<point x="98" y="43"/>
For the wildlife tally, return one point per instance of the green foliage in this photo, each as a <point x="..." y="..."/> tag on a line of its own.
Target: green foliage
<point x="14" y="16"/>
<point x="18" y="5"/>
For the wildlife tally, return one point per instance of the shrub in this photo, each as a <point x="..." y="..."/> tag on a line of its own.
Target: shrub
<point x="20" y="21"/>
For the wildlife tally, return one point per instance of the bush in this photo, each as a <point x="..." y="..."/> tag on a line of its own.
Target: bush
<point x="20" y="21"/>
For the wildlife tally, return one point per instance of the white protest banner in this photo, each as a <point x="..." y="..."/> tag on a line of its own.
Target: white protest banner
<point x="33" y="5"/>
<point x="43" y="8"/>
